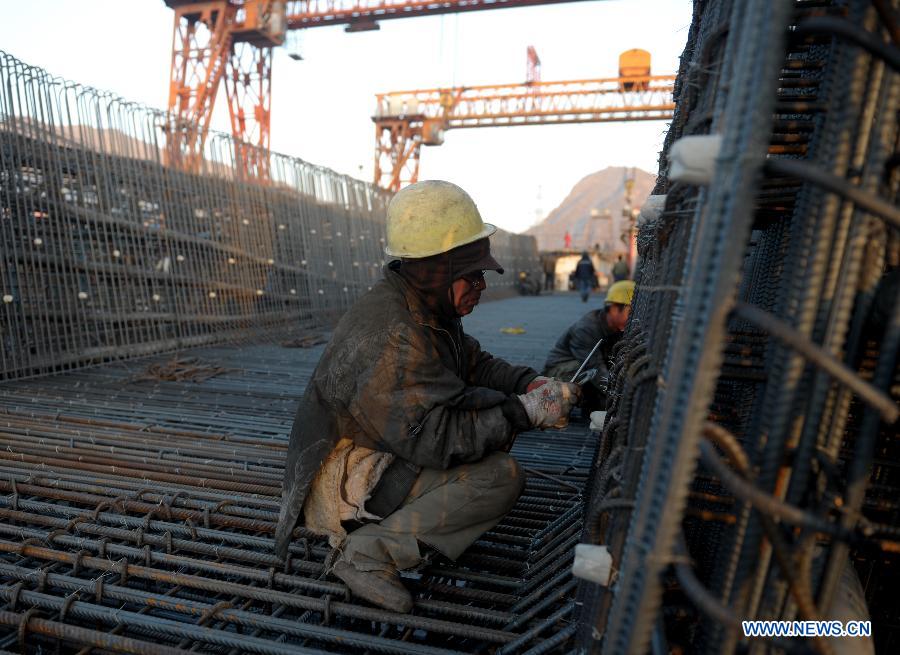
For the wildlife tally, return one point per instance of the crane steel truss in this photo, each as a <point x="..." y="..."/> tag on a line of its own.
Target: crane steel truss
<point x="215" y="40"/>
<point x="361" y="15"/>
<point x="405" y="120"/>
<point x="233" y="40"/>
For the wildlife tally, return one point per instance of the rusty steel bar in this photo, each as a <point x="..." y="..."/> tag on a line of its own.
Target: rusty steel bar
<point x="185" y="543"/>
<point x="28" y="623"/>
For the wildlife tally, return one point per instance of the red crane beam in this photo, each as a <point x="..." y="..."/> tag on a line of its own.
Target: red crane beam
<point x="406" y="120"/>
<point x="364" y="13"/>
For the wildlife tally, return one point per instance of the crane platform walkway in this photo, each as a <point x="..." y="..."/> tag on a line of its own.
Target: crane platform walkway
<point x="138" y="501"/>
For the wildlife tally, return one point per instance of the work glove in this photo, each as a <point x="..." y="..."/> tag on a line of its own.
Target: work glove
<point x="549" y="404"/>
<point x="535" y="383"/>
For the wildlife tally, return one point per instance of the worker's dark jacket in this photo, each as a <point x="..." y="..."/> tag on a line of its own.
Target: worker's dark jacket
<point x="394" y="378"/>
<point x="584" y="270"/>
<point x="578" y="341"/>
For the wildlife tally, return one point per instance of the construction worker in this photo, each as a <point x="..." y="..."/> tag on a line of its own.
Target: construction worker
<point x="548" y="263"/>
<point x="576" y="343"/>
<point x="620" y="270"/>
<point x="585" y="276"/>
<point x="528" y="286"/>
<point x="402" y="435"/>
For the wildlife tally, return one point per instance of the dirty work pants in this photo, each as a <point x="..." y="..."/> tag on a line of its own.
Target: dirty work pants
<point x="447" y="510"/>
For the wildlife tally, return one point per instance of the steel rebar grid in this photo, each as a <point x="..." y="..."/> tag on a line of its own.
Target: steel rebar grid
<point x="116" y="505"/>
<point x="771" y="393"/>
<point x="109" y="253"/>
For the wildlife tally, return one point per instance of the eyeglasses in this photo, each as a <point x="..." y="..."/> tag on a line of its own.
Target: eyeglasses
<point x="476" y="279"/>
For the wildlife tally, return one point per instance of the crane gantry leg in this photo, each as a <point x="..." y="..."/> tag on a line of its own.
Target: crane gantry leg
<point x="248" y="84"/>
<point x="397" y="146"/>
<point x="201" y="45"/>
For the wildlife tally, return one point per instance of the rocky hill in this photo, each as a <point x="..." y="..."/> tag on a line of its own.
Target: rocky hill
<point x="592" y="212"/>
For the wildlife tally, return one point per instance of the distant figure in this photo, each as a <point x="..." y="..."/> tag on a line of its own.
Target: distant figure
<point x="527" y="285"/>
<point x="585" y="276"/>
<point x="620" y="270"/>
<point x="568" y="240"/>
<point x="548" y="262"/>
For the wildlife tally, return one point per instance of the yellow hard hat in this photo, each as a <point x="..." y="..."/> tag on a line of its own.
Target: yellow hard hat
<point x="432" y="217"/>
<point x="620" y="292"/>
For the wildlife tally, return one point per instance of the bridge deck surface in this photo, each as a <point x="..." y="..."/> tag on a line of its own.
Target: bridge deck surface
<point x="111" y="461"/>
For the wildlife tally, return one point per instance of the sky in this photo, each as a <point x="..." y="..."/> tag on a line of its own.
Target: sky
<point x="322" y="105"/>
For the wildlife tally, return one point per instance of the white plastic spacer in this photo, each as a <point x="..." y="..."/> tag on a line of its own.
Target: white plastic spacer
<point x="651" y="209"/>
<point x="592" y="562"/>
<point x="598" y="419"/>
<point x="692" y="159"/>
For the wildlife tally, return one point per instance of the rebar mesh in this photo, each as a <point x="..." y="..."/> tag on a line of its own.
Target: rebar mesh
<point x="144" y="509"/>
<point x="110" y="253"/>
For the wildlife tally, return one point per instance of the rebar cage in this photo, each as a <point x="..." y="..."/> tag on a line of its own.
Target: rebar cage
<point x="751" y="443"/>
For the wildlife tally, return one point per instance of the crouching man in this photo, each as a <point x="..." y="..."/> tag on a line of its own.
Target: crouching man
<point x="576" y="344"/>
<point x="401" y="437"/>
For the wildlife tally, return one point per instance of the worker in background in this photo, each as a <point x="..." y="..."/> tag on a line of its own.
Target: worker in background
<point x="528" y="286"/>
<point x="585" y="276"/>
<point x="620" y="270"/>
<point x="548" y="263"/>
<point x="576" y="343"/>
<point x="401" y="437"/>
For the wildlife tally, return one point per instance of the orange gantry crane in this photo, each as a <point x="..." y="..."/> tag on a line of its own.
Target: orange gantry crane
<point x="406" y="120"/>
<point x="232" y="40"/>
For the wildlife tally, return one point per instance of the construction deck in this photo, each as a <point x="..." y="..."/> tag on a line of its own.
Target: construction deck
<point x="140" y="508"/>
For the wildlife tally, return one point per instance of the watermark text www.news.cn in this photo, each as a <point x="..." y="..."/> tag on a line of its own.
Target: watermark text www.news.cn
<point x="807" y="628"/>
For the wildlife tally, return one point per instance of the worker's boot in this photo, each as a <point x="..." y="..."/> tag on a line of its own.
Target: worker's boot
<point x="382" y="588"/>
